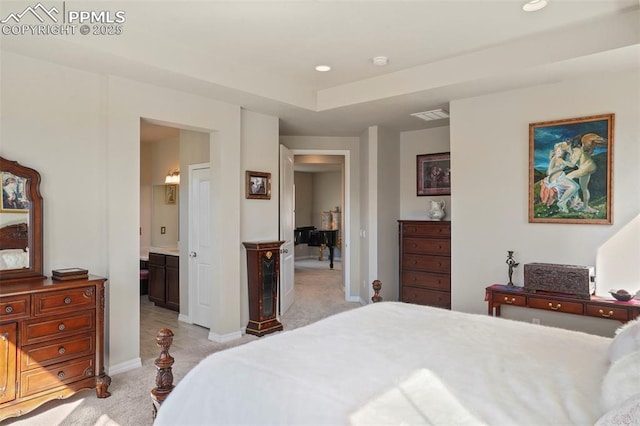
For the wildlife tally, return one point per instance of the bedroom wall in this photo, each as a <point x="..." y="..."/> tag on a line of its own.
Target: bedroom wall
<point x="260" y="220"/>
<point x="327" y="194"/>
<point x="412" y="144"/>
<point x="388" y="207"/>
<point x="81" y="131"/>
<point x="489" y="147"/>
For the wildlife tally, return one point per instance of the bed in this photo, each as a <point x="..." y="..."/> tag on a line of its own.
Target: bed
<point x="396" y="363"/>
<point x="14" y="250"/>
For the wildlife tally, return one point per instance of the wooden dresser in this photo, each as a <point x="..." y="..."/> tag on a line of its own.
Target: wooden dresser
<point x="51" y="341"/>
<point x="425" y="262"/>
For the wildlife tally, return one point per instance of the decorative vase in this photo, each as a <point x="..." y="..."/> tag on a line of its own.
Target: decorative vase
<point x="437" y="211"/>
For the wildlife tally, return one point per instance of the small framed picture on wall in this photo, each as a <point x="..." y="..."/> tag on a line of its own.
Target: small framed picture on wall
<point x="434" y="174"/>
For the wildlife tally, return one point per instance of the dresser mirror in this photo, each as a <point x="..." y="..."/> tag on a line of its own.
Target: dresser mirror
<point x="20" y="222"/>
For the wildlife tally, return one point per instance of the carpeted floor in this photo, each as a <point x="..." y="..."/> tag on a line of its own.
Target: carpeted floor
<point x="319" y="293"/>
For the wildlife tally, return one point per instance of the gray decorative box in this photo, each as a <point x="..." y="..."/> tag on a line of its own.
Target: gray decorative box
<point x="572" y="280"/>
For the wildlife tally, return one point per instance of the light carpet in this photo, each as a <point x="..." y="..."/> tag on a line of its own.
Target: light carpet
<point x="319" y="293"/>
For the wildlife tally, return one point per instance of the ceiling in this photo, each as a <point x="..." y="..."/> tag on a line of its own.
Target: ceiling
<point x="261" y="54"/>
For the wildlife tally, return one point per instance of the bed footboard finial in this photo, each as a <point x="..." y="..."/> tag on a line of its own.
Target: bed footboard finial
<point x="377" y="285"/>
<point x="164" y="374"/>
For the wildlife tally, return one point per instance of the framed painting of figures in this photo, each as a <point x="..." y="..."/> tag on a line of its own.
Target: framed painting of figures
<point x="570" y="170"/>
<point x="434" y="174"/>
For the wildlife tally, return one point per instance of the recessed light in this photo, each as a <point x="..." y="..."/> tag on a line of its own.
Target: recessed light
<point x="534" y="5"/>
<point x="323" y="68"/>
<point x="434" y="114"/>
<point x="380" y="61"/>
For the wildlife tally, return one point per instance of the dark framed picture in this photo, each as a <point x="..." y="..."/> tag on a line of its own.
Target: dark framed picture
<point x="258" y="185"/>
<point x="14" y="195"/>
<point x="170" y="194"/>
<point x="434" y="174"/>
<point x="570" y="170"/>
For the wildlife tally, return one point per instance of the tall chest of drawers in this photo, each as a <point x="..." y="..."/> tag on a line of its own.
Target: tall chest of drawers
<point x="51" y="342"/>
<point x="425" y="262"/>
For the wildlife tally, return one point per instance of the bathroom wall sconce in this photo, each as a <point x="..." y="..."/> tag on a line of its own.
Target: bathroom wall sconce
<point x="173" y="177"/>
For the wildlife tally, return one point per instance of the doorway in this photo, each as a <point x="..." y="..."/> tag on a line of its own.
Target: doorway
<point x="167" y="150"/>
<point x="321" y="186"/>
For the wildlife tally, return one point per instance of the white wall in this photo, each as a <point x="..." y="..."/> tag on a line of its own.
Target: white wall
<point x="388" y="170"/>
<point x="327" y="194"/>
<point x="489" y="148"/>
<point x="260" y="153"/>
<point x="82" y="133"/>
<point x="412" y="144"/>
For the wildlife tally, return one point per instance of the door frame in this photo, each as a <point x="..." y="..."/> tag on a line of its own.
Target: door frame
<point x="346" y="214"/>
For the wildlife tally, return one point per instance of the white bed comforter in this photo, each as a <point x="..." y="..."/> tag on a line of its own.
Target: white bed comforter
<point x="395" y="363"/>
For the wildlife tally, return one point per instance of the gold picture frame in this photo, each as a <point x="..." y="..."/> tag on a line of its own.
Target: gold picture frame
<point x="258" y="185"/>
<point x="170" y="194"/>
<point x="570" y="170"/>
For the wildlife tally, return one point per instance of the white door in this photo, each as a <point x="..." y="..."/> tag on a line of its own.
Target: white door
<point x="200" y="242"/>
<point x="287" y="224"/>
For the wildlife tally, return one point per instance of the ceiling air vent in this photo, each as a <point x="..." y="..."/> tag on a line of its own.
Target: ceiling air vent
<point x="435" y="114"/>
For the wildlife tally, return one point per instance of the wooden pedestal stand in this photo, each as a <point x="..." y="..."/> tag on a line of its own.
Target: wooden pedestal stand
<point x="263" y="266"/>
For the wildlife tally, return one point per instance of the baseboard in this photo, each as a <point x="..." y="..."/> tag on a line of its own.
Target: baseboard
<point x="185" y="318"/>
<point x="123" y="367"/>
<point x="357" y="299"/>
<point x="224" y="338"/>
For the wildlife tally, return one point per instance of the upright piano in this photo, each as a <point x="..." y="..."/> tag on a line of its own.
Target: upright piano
<point x="314" y="237"/>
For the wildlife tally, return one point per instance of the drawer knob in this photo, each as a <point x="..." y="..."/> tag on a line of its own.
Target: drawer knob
<point x="509" y="300"/>
<point x="609" y="315"/>
<point x="61" y="350"/>
<point x="67" y="300"/>
<point x="61" y="327"/>
<point x="61" y="375"/>
<point x="8" y="309"/>
<point x="415" y="245"/>
<point x="554" y="308"/>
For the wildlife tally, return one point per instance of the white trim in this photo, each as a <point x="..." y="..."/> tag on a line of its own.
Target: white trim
<point x="123" y="367"/>
<point x="224" y="338"/>
<point x="186" y="318"/>
<point x="346" y="246"/>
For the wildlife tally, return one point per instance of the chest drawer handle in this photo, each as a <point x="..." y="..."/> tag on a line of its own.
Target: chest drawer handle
<point x="61" y="375"/>
<point x="61" y="327"/>
<point x="509" y="301"/>
<point x="61" y="350"/>
<point x="67" y="300"/>
<point x="609" y="315"/>
<point x="555" y="308"/>
<point x="8" y="309"/>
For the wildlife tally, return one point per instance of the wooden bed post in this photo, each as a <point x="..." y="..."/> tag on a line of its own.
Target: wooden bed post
<point x="377" y="285"/>
<point x="164" y="375"/>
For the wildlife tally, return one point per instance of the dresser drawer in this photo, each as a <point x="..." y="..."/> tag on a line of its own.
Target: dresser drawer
<point x="509" y="299"/>
<point x="427" y="229"/>
<point x="14" y="307"/>
<point x="42" y="379"/>
<point x="421" y="296"/>
<point x="427" y="246"/>
<point x="43" y="330"/>
<point x="609" y="312"/>
<point x="52" y="352"/>
<point x="556" y="305"/>
<point x="440" y="264"/>
<point x="426" y="280"/>
<point x="71" y="300"/>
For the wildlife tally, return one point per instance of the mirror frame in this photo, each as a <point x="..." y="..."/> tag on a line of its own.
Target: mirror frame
<point x="35" y="222"/>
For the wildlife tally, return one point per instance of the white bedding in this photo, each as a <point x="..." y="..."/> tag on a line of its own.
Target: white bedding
<point x="393" y="363"/>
